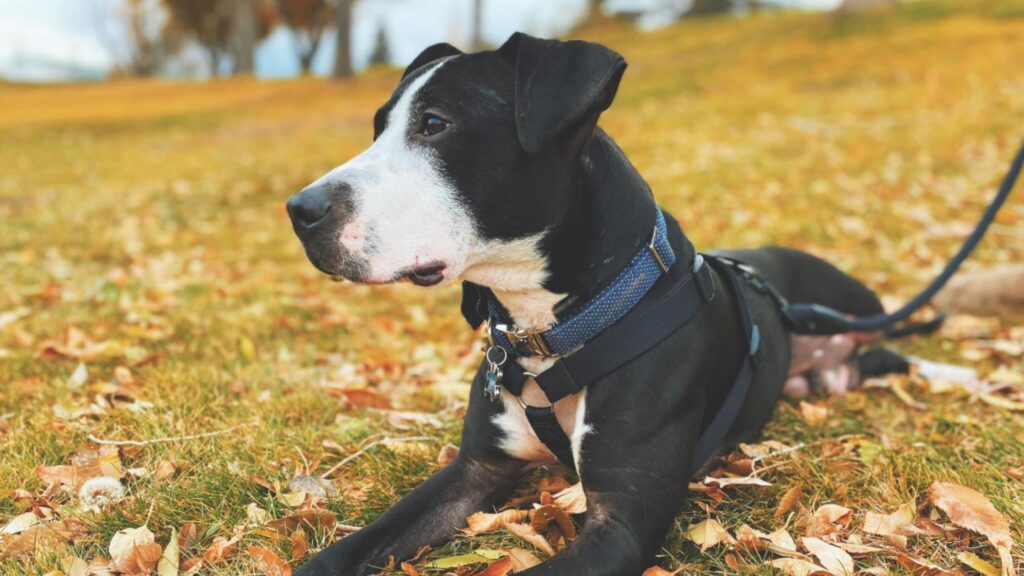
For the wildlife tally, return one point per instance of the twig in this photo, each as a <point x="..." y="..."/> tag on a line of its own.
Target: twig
<point x="756" y="461"/>
<point x="163" y="440"/>
<point x="366" y="448"/>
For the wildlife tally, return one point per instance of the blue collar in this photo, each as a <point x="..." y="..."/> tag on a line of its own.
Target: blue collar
<point x="606" y="308"/>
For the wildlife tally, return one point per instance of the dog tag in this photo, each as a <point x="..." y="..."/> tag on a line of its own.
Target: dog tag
<point x="494" y="372"/>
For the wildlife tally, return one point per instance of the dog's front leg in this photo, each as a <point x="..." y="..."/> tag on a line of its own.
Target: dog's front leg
<point x="428" y="515"/>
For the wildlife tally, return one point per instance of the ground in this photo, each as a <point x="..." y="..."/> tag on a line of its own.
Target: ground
<point x="143" y="226"/>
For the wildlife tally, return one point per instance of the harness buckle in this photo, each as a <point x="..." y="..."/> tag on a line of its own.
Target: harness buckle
<point x="526" y="340"/>
<point x="654" y="252"/>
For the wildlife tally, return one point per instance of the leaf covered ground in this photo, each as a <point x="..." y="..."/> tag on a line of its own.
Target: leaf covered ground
<point x="153" y="290"/>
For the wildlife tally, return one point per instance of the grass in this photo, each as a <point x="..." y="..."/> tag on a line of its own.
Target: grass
<point x="149" y="216"/>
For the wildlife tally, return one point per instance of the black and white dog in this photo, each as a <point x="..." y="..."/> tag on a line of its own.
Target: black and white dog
<point x="490" y="168"/>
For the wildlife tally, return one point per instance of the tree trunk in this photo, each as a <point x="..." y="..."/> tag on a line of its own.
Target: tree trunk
<point x="594" y="9"/>
<point x="343" y="42"/>
<point x="244" y="41"/>
<point x="477" y="34"/>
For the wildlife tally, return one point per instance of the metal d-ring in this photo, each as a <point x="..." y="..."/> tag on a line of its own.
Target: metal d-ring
<point x="504" y="356"/>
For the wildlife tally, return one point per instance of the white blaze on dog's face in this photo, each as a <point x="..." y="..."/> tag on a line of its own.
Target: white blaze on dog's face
<point x="405" y="215"/>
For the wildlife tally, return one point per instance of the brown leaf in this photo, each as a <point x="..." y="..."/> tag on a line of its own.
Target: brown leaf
<point x="659" y="571"/>
<point x="828" y="519"/>
<point x="359" y="397"/>
<point x="300" y="544"/>
<point x="521" y="559"/>
<point x="527" y="533"/>
<point x="919" y="566"/>
<point x="483" y="522"/>
<point x="500" y="568"/>
<point x="900" y="522"/>
<point x="134" y="551"/>
<point x="269" y="563"/>
<point x="970" y="509"/>
<point x="572" y="499"/>
<point x="221" y="549"/>
<point x="797" y="567"/>
<point x="409" y="569"/>
<point x="833" y="558"/>
<point x="789" y="501"/>
<point x="747" y="540"/>
<point x="544" y="516"/>
<point x="813" y="414"/>
<point x="708" y="534"/>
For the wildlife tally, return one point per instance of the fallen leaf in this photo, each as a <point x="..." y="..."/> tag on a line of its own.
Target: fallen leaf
<point x="659" y="571"/>
<point x="528" y="534"/>
<point x="269" y="563"/>
<point x="544" y="516"/>
<point x="483" y="522"/>
<point x="747" y="540"/>
<point x="300" y="544"/>
<point x="797" y="567"/>
<point x="970" y="509"/>
<point x="781" y="543"/>
<point x="828" y="519"/>
<point x="572" y="499"/>
<point x="479" y="556"/>
<point x="20" y="523"/>
<point x="919" y="565"/>
<point x="978" y="564"/>
<point x="502" y="567"/>
<point x="134" y="551"/>
<point x="221" y="549"/>
<point x="315" y="485"/>
<point x="522" y="559"/>
<point x="708" y="534"/>
<point x="900" y="522"/>
<point x="409" y="569"/>
<point x="1001" y="402"/>
<point x="359" y="397"/>
<point x="170" y="560"/>
<point x="833" y="558"/>
<point x="813" y="414"/>
<point x="789" y="501"/>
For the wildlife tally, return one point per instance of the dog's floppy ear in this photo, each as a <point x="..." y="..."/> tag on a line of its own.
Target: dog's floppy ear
<point x="559" y="86"/>
<point x="430" y="54"/>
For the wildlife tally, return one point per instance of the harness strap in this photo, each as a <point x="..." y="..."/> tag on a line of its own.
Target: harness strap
<point x="545" y="425"/>
<point x="635" y="335"/>
<point x="624" y="341"/>
<point x="714" y="435"/>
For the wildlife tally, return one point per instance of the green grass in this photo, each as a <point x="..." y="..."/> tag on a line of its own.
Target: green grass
<point x="150" y="215"/>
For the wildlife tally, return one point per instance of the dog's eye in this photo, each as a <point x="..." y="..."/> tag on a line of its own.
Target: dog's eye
<point x="432" y="125"/>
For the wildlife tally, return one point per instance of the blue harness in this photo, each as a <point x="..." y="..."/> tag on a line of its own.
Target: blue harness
<point x="604" y="336"/>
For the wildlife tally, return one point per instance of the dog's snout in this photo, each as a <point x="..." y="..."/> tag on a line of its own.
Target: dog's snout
<point x="309" y="207"/>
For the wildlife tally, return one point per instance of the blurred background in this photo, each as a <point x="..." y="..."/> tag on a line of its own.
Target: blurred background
<point x="67" y="40"/>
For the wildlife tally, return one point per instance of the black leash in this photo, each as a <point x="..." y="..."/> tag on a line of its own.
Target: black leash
<point x="818" y="319"/>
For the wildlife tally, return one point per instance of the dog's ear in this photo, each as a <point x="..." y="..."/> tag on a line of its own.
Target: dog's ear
<point x="560" y="86"/>
<point x="430" y="54"/>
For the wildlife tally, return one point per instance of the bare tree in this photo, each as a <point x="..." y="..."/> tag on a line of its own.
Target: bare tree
<point x="141" y="44"/>
<point x="209" y="22"/>
<point x="307" y="20"/>
<point x="343" y="41"/>
<point x="476" y="36"/>
<point x="243" y="39"/>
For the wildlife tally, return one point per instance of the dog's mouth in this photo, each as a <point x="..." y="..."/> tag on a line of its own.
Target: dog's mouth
<point x="427" y="274"/>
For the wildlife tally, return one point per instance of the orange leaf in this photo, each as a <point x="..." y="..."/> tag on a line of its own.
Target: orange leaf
<point x="269" y="563"/>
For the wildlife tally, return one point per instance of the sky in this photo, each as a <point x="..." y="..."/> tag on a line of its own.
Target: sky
<point x="43" y="40"/>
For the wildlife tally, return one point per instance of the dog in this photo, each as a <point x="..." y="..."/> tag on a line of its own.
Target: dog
<point x="490" y="168"/>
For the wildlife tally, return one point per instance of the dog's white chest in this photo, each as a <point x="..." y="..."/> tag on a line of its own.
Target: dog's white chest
<point x="518" y="438"/>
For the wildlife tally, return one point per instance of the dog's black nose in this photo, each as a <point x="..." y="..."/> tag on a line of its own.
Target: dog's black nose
<point x="309" y="207"/>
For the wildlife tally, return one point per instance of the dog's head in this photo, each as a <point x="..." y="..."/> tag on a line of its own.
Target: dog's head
<point x="471" y="166"/>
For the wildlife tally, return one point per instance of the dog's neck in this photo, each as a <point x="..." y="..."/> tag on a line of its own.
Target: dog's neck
<point x="611" y="216"/>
